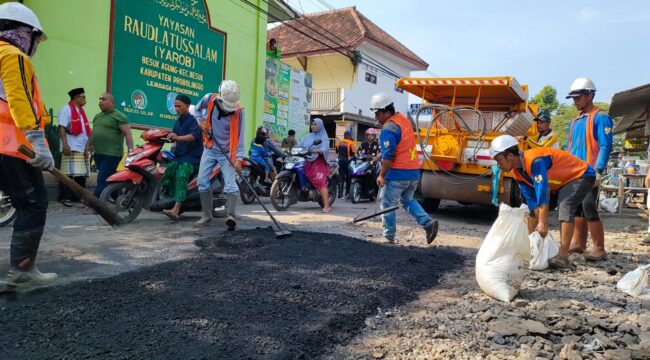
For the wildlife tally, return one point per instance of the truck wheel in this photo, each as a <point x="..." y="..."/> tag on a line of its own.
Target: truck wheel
<point x="430" y="204"/>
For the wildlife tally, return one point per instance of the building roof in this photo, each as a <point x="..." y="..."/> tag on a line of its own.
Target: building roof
<point x="339" y="29"/>
<point x="634" y="106"/>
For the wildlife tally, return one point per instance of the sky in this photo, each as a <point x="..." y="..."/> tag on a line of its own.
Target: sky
<point x="543" y="42"/>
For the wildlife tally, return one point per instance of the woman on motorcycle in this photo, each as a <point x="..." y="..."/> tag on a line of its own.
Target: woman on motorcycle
<point x="370" y="146"/>
<point x="316" y="167"/>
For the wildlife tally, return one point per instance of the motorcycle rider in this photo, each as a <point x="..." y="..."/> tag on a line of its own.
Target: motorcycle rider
<point x="23" y="117"/>
<point x="187" y="154"/>
<point x="316" y="166"/>
<point x="370" y="146"/>
<point x="225" y="122"/>
<point x="263" y="156"/>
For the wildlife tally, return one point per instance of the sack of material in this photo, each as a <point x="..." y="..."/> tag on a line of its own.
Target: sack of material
<point x="541" y="249"/>
<point x="609" y="204"/>
<point x="635" y="283"/>
<point x="499" y="263"/>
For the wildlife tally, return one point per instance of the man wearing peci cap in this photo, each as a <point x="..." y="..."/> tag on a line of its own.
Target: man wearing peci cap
<point x="74" y="131"/>
<point x="400" y="168"/>
<point x="187" y="149"/>
<point x="224" y="123"/>
<point x="590" y="139"/>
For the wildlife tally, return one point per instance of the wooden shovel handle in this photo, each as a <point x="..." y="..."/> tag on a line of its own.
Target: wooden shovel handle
<point x="26" y="151"/>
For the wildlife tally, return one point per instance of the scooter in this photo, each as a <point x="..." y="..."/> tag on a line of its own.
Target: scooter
<point x="291" y="185"/>
<point x="140" y="184"/>
<point x="255" y="175"/>
<point x="364" y="179"/>
<point x="7" y="211"/>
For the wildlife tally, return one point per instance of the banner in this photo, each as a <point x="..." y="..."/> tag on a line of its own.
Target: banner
<point x="162" y="48"/>
<point x="287" y="99"/>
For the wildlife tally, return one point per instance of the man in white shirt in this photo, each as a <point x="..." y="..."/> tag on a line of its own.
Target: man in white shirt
<point x="74" y="130"/>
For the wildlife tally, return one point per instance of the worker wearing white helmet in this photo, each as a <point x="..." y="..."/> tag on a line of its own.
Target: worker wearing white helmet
<point x="224" y="123"/>
<point x="538" y="172"/>
<point x="400" y="168"/>
<point x="22" y="119"/>
<point x="590" y="139"/>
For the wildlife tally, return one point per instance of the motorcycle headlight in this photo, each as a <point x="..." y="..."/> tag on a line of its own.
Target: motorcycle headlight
<point x="130" y="159"/>
<point x="289" y="165"/>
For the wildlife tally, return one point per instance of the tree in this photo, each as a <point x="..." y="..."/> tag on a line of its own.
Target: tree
<point x="546" y="99"/>
<point x="564" y="114"/>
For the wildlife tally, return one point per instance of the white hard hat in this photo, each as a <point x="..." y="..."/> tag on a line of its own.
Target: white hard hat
<point x="501" y="144"/>
<point x="18" y="12"/>
<point x="380" y="101"/>
<point x="229" y="95"/>
<point x="580" y="86"/>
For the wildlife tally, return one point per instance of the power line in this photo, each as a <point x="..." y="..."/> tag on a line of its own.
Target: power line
<point x="372" y="61"/>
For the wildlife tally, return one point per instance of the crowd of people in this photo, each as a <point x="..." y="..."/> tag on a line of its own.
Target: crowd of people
<point x="213" y="134"/>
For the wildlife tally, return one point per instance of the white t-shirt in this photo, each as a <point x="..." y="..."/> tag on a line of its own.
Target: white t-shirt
<point x="76" y="143"/>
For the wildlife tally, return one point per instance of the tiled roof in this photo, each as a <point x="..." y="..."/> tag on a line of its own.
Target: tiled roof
<point x="337" y="29"/>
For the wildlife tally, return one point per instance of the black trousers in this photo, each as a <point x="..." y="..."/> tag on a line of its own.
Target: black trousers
<point x="25" y="187"/>
<point x="345" y="177"/>
<point x="66" y="194"/>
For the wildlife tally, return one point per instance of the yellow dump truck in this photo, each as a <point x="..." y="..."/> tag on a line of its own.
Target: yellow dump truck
<point x="466" y="114"/>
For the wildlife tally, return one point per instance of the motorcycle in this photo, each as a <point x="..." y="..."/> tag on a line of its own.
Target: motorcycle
<point x="255" y="175"/>
<point x="364" y="179"/>
<point x="7" y="211"/>
<point x="292" y="185"/>
<point x="140" y="184"/>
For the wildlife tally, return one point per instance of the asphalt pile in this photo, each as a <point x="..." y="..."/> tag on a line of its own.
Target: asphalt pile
<point x="245" y="295"/>
<point x="573" y="315"/>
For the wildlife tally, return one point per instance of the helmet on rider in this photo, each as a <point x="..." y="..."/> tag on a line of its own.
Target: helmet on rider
<point x="229" y="95"/>
<point x="371" y="132"/>
<point x="262" y="131"/>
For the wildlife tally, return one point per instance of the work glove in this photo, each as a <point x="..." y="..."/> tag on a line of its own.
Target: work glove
<point x="43" y="159"/>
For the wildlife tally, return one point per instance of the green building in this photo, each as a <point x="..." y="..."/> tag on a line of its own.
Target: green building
<point x="145" y="51"/>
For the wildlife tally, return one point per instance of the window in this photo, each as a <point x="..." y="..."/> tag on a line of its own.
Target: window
<point x="401" y="91"/>
<point x="371" y="78"/>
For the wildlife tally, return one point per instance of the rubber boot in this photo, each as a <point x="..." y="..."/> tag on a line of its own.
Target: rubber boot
<point x="206" y="208"/>
<point x="597" y="231"/>
<point x="231" y="206"/>
<point x="579" y="241"/>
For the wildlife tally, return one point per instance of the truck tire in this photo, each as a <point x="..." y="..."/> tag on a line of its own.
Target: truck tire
<point x="430" y="204"/>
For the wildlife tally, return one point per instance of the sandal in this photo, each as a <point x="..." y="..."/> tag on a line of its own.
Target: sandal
<point x="170" y="214"/>
<point x="66" y="202"/>
<point x="591" y="257"/>
<point x="327" y="211"/>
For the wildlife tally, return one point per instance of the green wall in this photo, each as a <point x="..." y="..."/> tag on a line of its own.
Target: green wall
<point x="76" y="52"/>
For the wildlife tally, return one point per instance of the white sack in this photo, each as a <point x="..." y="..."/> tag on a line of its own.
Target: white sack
<point x="635" y="282"/>
<point x="541" y="250"/>
<point x="609" y="204"/>
<point x="499" y="263"/>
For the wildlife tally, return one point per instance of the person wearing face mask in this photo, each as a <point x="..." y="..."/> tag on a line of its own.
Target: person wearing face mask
<point x="224" y="123"/>
<point x="22" y="119"/>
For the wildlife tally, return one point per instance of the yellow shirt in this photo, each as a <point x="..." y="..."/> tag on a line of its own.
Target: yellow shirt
<point x="16" y="89"/>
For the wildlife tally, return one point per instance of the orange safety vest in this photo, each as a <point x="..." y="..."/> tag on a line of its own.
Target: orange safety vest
<point x="234" y="128"/>
<point x="349" y="144"/>
<point x="565" y="167"/>
<point x="10" y="135"/>
<point x="592" y="143"/>
<point x="406" y="156"/>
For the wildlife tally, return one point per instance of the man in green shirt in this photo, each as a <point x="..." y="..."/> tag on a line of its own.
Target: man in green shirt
<point x="110" y="128"/>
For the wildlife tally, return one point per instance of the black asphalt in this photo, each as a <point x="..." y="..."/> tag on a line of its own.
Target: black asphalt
<point x="245" y="296"/>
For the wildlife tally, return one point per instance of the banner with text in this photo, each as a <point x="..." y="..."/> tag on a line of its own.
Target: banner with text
<point x="162" y="48"/>
<point x="287" y="99"/>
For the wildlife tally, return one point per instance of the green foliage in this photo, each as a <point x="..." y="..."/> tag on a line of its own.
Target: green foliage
<point x="546" y="99"/>
<point x="564" y="114"/>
